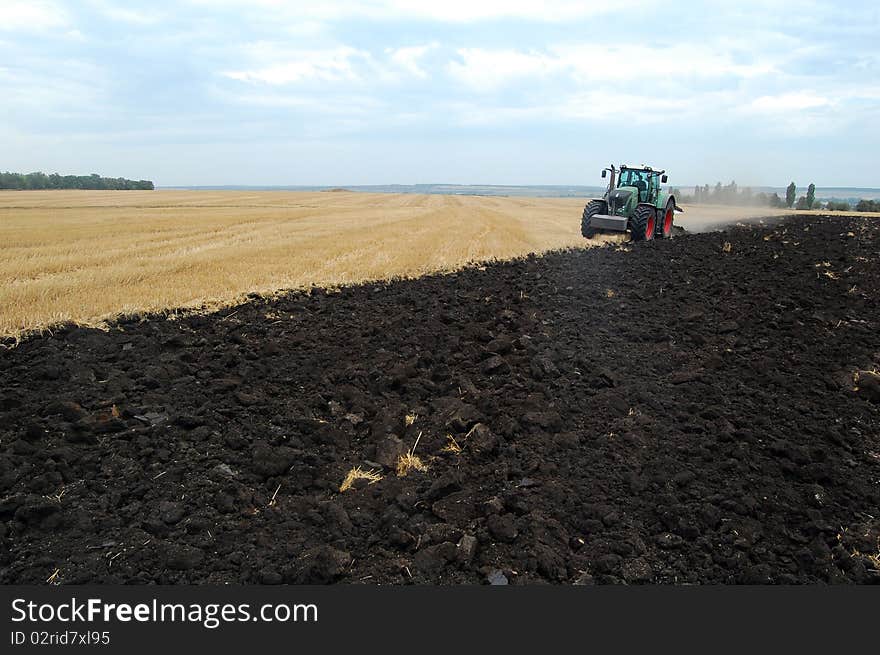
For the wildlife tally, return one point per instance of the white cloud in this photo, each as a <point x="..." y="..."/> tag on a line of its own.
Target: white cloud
<point x="585" y="106"/>
<point x="486" y="69"/>
<point x="449" y="11"/>
<point x="129" y="15"/>
<point x="471" y="10"/>
<point x="788" y="102"/>
<point x="333" y="64"/>
<point x="36" y="92"/>
<point x="408" y="58"/>
<point x="31" y="16"/>
<point x="276" y="64"/>
<point x="798" y="113"/>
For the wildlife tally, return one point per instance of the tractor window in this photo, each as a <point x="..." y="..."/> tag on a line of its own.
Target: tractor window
<point x="629" y="177"/>
<point x="639" y="179"/>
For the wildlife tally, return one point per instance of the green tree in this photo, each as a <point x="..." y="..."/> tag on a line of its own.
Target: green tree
<point x="811" y="195"/>
<point x="790" y="194"/>
<point x="40" y="180"/>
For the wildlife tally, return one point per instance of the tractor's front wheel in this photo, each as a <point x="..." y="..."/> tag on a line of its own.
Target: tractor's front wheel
<point x="664" y="228"/>
<point x="642" y="223"/>
<point x="593" y="207"/>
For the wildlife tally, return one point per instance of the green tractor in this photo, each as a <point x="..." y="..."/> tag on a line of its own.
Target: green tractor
<point x="634" y="202"/>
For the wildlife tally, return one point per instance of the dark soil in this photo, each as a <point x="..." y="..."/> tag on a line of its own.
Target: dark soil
<point x="669" y="412"/>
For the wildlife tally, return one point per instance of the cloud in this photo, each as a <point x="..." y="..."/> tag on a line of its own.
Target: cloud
<point x="491" y="71"/>
<point x="408" y="58"/>
<point x="460" y="11"/>
<point x="276" y="64"/>
<point x="789" y="102"/>
<point x="485" y="69"/>
<point x="328" y="65"/>
<point x="448" y="11"/>
<point x="31" y="16"/>
<point x="591" y="106"/>
<point x="37" y="94"/>
<point x="128" y="15"/>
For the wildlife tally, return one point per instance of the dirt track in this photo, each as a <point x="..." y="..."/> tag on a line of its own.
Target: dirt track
<point x="683" y="412"/>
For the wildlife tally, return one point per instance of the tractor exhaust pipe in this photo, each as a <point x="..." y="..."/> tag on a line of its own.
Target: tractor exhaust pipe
<point x="611" y="183"/>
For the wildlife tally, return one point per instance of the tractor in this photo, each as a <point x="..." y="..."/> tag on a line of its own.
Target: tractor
<point x="634" y="202"/>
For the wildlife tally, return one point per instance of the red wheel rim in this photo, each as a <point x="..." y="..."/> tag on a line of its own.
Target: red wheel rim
<point x="649" y="229"/>
<point x="667" y="222"/>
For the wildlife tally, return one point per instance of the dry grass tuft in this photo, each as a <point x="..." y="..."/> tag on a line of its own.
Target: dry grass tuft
<point x="56" y="497"/>
<point x="409" y="462"/>
<point x="610" y="293"/>
<point x="451" y="446"/>
<point x="873" y="558"/>
<point x="357" y="473"/>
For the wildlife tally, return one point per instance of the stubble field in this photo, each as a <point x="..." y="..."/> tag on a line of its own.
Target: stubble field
<point x="89" y="256"/>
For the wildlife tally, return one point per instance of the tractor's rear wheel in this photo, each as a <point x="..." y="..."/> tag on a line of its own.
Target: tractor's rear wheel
<point x="642" y="223"/>
<point x="593" y="207"/>
<point x="664" y="227"/>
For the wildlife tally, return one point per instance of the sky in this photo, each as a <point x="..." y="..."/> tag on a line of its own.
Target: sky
<point x="264" y="92"/>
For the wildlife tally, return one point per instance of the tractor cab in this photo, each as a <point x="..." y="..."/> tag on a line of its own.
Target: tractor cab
<point x="645" y="181"/>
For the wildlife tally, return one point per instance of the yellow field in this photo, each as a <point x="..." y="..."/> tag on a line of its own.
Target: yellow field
<point x="87" y="256"/>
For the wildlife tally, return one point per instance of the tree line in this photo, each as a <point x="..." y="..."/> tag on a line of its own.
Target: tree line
<point x="38" y="180"/>
<point x="731" y="194"/>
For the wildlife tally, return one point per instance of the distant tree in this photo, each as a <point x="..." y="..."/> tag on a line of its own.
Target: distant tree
<point x="40" y="180"/>
<point x="838" y="206"/>
<point x="775" y="201"/>
<point x="802" y="203"/>
<point x="811" y="195"/>
<point x="790" y="194"/>
<point x="868" y="206"/>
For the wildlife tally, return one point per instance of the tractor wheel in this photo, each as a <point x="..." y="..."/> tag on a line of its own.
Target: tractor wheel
<point x="642" y="223"/>
<point x="664" y="228"/>
<point x="593" y="207"/>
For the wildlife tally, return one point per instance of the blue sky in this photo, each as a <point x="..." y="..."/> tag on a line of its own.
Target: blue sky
<point x="400" y="91"/>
